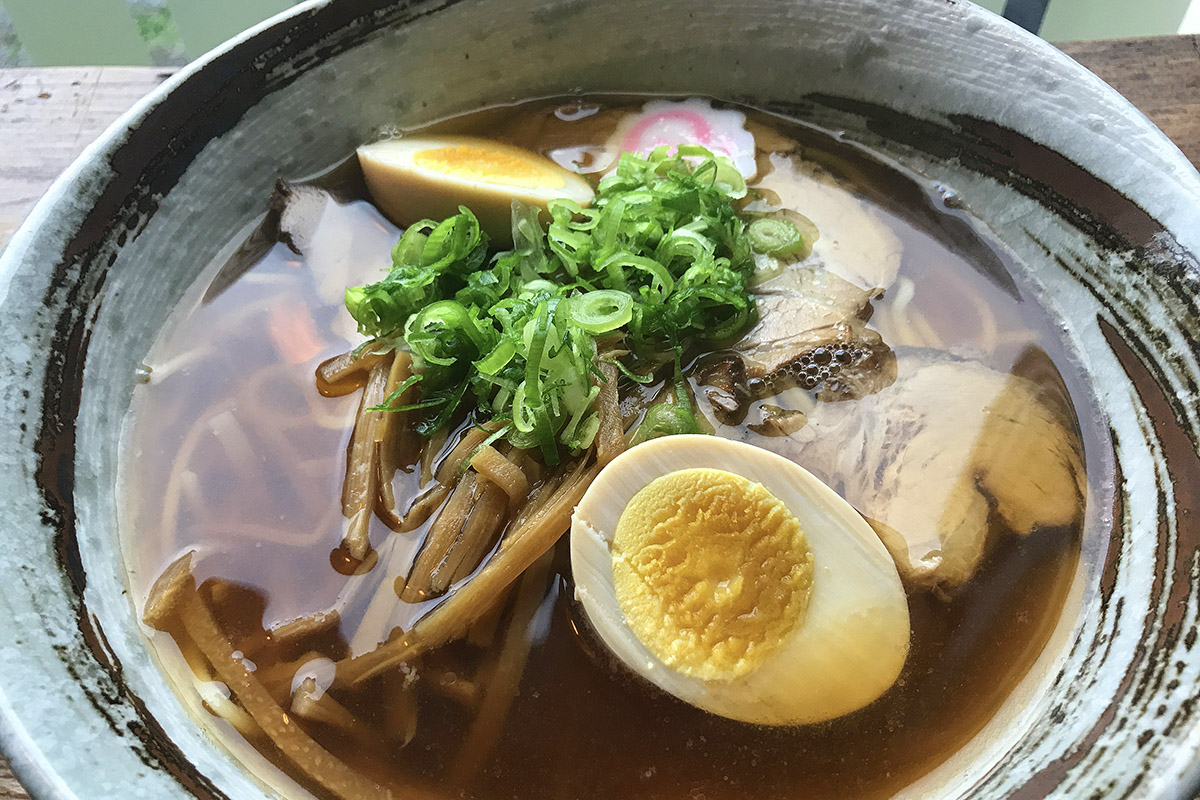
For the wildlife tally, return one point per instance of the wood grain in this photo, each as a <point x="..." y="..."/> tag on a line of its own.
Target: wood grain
<point x="48" y="116"/>
<point x="10" y="789"/>
<point x="1158" y="74"/>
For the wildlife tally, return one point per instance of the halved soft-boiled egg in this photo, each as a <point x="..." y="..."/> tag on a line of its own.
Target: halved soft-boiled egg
<point x="414" y="178"/>
<point x="733" y="579"/>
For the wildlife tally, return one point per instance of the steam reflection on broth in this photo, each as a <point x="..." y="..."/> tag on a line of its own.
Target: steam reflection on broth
<point x="900" y="362"/>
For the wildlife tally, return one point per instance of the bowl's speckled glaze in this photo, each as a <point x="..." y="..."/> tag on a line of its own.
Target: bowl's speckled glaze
<point x="1082" y="189"/>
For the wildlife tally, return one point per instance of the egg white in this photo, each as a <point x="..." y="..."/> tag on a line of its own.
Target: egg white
<point x="853" y="640"/>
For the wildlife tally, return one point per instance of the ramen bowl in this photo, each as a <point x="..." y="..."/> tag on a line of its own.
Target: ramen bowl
<point x="1073" y="182"/>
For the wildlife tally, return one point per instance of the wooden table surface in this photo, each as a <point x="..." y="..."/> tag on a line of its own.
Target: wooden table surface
<point x="48" y="116"/>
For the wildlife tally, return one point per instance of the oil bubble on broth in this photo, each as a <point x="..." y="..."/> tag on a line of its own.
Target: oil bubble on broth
<point x="397" y="590"/>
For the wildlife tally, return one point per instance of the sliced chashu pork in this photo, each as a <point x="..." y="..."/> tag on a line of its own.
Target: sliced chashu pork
<point x="811" y="333"/>
<point x="928" y="458"/>
<point x="855" y="243"/>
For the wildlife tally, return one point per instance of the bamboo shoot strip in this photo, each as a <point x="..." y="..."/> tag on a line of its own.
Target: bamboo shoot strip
<point x="287" y="634"/>
<point x="292" y="742"/>
<point x="213" y="693"/>
<point x="453" y="686"/>
<point x="610" y="437"/>
<point x="315" y="706"/>
<point x="169" y="593"/>
<point x="391" y="427"/>
<point x="162" y="612"/>
<point x="549" y="503"/>
<point x="482" y="632"/>
<point x="474" y="598"/>
<point x="399" y="710"/>
<point x="346" y="373"/>
<point x="279" y="677"/>
<point x="448" y="474"/>
<point x="432" y="446"/>
<point x="333" y="775"/>
<point x="455" y="463"/>
<point x="421" y="510"/>
<point x="501" y="472"/>
<point x="505" y="677"/>
<point x="361" y="485"/>
<point x="488" y="517"/>
<point x="443" y="534"/>
<point x="539" y="497"/>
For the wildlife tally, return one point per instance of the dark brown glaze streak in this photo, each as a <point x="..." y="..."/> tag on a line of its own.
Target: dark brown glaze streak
<point x="1053" y="776"/>
<point x="1128" y="344"/>
<point x="1183" y="465"/>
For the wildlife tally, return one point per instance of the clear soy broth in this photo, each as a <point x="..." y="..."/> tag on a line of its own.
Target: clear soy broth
<point x="232" y="452"/>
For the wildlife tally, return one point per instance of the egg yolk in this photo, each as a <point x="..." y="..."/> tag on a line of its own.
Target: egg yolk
<point x="712" y="572"/>
<point x="487" y="166"/>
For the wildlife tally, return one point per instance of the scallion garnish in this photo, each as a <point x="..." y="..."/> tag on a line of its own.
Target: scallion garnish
<point x="775" y="237"/>
<point x="661" y="258"/>
<point x="601" y="310"/>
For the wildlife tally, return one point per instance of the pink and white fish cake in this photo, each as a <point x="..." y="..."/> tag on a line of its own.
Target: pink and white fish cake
<point x="692" y="121"/>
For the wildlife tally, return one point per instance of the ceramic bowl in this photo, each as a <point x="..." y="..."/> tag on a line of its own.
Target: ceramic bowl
<point x="1082" y="189"/>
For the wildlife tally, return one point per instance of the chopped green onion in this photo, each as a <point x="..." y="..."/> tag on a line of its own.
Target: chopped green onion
<point x="633" y="376"/>
<point x="433" y="402"/>
<point x="775" y="237"/>
<point x="537" y="331"/>
<point x="498" y="359"/>
<point x="386" y="405"/>
<point x="436" y="333"/>
<point x="601" y="311"/>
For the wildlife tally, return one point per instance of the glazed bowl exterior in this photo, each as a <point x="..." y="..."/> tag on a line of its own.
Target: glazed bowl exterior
<point x="1100" y="207"/>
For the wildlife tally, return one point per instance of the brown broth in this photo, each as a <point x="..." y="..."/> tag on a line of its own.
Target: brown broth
<point x="231" y="451"/>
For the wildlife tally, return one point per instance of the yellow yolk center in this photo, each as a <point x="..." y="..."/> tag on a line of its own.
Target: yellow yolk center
<point x="488" y="166"/>
<point x="711" y="570"/>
